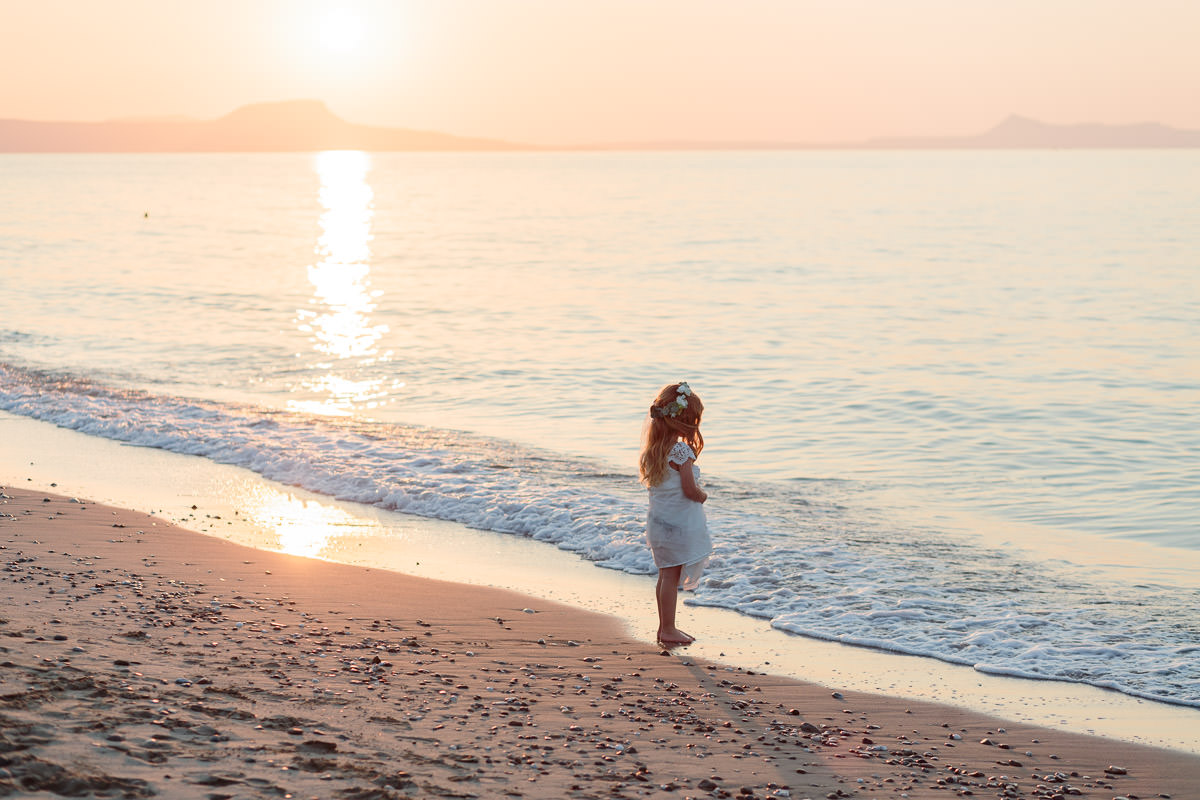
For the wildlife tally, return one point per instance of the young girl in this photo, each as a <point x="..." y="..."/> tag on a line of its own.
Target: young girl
<point x="675" y="524"/>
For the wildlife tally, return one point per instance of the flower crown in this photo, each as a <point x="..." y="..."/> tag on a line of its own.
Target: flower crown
<point x="675" y="407"/>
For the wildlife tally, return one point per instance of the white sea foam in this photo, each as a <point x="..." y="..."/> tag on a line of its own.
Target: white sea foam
<point x="821" y="568"/>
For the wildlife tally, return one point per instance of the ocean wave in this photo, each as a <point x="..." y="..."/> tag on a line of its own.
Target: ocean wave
<point x="817" y="565"/>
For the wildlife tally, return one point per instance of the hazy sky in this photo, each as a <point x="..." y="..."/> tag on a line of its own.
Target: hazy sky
<point x="573" y="72"/>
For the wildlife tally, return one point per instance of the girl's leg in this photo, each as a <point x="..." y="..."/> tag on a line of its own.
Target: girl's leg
<point x="667" y="594"/>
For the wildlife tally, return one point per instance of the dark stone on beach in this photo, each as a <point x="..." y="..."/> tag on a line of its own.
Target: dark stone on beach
<point x="808" y="727"/>
<point x="214" y="780"/>
<point x="1111" y="770"/>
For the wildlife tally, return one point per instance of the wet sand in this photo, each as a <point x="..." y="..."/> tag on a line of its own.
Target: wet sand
<point x="141" y="659"/>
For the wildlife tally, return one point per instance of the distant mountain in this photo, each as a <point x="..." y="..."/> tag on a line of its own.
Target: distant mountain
<point x="1021" y="132"/>
<point x="307" y="125"/>
<point x="292" y="126"/>
<point x="1013" y="133"/>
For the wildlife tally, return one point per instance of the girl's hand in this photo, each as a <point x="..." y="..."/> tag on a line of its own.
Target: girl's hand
<point x="687" y="481"/>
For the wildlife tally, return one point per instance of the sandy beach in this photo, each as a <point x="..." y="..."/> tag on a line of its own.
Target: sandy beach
<point x="141" y="659"/>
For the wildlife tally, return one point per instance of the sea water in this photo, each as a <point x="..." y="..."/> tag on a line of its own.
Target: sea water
<point x="950" y="396"/>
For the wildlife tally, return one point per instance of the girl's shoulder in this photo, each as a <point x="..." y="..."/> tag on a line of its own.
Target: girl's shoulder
<point x="681" y="453"/>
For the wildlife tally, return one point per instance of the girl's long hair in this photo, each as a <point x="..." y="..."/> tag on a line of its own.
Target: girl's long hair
<point x="662" y="432"/>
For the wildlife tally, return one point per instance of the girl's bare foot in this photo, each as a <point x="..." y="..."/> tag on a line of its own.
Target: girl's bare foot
<point x="674" y="636"/>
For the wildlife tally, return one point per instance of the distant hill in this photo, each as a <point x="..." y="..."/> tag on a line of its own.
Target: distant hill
<point x="292" y="126"/>
<point x="1013" y="133"/>
<point x="307" y="125"/>
<point x="1022" y="132"/>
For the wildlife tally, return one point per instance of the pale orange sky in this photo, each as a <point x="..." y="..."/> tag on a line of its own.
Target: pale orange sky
<point x="575" y="72"/>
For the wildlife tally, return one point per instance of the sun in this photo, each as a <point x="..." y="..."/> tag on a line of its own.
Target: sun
<point x="340" y="30"/>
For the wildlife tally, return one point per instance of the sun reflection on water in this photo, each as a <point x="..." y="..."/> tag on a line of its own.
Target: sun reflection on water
<point x="302" y="527"/>
<point x="339" y="315"/>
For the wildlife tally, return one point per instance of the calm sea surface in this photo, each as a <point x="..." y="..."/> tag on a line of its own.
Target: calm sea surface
<point x="952" y="397"/>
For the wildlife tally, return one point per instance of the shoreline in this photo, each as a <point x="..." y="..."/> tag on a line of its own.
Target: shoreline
<point x="239" y="506"/>
<point x="171" y="652"/>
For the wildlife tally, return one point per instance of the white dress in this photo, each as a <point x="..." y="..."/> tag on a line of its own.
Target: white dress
<point x="675" y="526"/>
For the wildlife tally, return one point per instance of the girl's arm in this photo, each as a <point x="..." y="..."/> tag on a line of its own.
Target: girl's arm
<point x="687" y="480"/>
